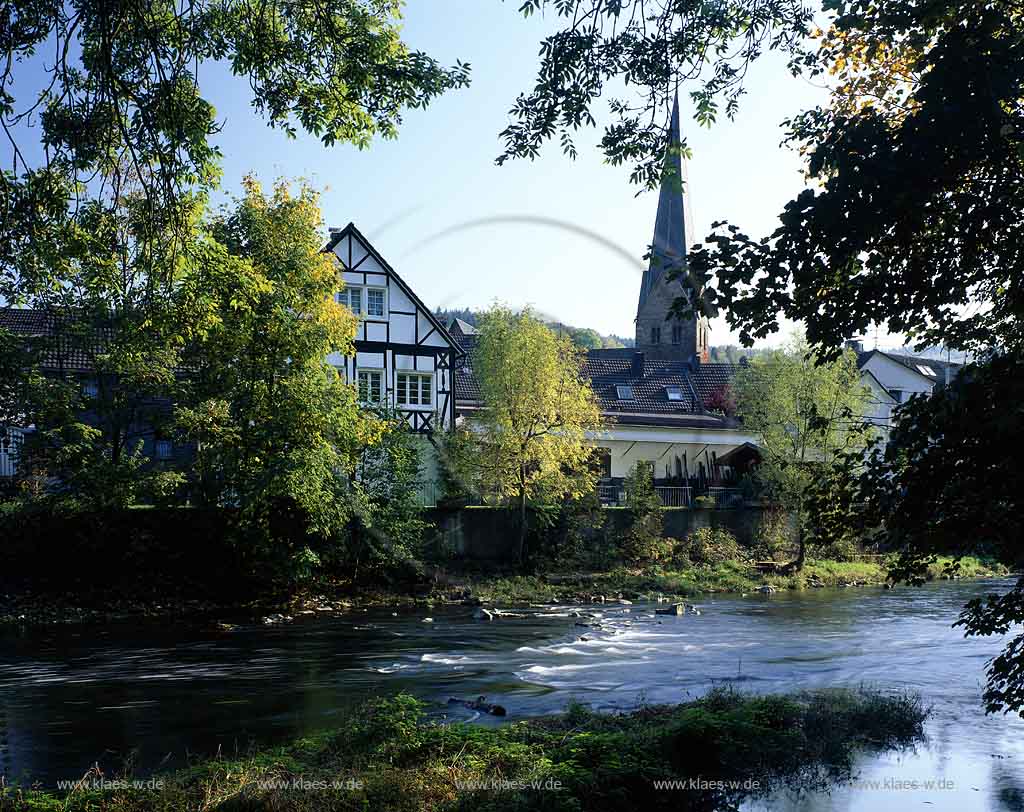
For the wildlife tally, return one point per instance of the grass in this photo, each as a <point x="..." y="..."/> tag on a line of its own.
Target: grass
<point x="389" y="756"/>
<point x="730" y="576"/>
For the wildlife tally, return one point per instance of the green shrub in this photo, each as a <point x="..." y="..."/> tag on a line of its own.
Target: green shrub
<point x="712" y="546"/>
<point x="642" y="542"/>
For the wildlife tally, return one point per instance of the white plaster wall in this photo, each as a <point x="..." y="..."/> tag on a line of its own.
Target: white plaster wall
<point x="893" y="375"/>
<point x="661" y="447"/>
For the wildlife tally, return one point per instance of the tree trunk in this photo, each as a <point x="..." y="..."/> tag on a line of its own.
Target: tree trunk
<point x="801" y="554"/>
<point x="522" y="517"/>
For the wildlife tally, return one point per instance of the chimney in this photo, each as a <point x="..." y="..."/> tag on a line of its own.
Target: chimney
<point x="637" y="367"/>
<point x="856" y="346"/>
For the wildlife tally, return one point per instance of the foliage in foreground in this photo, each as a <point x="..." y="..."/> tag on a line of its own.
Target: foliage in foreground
<point x="389" y="756"/>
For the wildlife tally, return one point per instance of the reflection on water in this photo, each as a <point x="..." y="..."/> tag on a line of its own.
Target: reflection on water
<point x="73" y="696"/>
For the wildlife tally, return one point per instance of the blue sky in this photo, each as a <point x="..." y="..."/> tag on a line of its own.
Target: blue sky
<point x="417" y="197"/>
<point x="409" y="196"/>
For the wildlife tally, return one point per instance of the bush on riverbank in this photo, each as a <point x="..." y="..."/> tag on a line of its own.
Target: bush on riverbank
<point x="389" y="757"/>
<point x="725" y="576"/>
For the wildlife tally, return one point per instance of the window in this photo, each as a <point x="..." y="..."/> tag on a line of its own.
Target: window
<point x="624" y="392"/>
<point x="897" y="395"/>
<point x="604" y="462"/>
<point x="677" y="334"/>
<point x="352" y="298"/>
<point x="370" y="385"/>
<point x="91" y="389"/>
<point x="374" y="301"/>
<point x="363" y="301"/>
<point x="655" y="335"/>
<point x="926" y="370"/>
<point x="164" y="449"/>
<point x="413" y="389"/>
<point x="673" y="393"/>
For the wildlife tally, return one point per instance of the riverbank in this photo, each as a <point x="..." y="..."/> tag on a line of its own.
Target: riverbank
<point x="389" y="755"/>
<point x="728" y="577"/>
<point x="27" y="608"/>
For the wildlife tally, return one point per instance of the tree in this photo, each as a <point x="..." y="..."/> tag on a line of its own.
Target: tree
<point x="388" y="526"/>
<point x="651" y="47"/>
<point x="916" y="221"/>
<point x="808" y="416"/>
<point x="275" y="426"/>
<point x="122" y="98"/>
<point x="641" y="542"/>
<point x="530" y="440"/>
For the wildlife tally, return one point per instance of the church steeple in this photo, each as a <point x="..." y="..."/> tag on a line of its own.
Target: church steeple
<point x="656" y="335"/>
<point x="668" y="248"/>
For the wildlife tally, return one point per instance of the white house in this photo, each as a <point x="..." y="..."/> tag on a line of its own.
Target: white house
<point x="405" y="358"/>
<point x="894" y="378"/>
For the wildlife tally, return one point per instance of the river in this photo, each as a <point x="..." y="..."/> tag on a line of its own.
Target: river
<point x="148" y="695"/>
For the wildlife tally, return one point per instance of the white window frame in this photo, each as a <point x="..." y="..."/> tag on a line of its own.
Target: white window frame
<point x="344" y="297"/>
<point x="425" y="383"/>
<point x="383" y="302"/>
<point x="379" y="373"/>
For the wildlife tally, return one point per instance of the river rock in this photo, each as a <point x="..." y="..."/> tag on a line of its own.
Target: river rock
<point x="483" y="614"/>
<point x="767" y="589"/>
<point x="676" y="609"/>
<point x="428" y="620"/>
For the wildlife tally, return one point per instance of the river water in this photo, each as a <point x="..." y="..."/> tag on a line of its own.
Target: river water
<point x="148" y="695"/>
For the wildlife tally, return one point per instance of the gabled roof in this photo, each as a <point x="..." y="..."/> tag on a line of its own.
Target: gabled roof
<point x="914" y="363"/>
<point x="879" y="384"/>
<point x="463" y="327"/>
<point x="351" y="231"/>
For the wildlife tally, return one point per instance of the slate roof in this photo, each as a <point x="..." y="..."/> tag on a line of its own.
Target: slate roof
<point x="60" y="348"/>
<point x="610" y="368"/>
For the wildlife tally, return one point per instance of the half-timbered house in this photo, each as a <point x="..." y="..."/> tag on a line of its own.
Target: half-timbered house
<point x="405" y="359"/>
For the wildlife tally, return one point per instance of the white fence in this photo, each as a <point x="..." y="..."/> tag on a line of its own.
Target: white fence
<point x="10" y="444"/>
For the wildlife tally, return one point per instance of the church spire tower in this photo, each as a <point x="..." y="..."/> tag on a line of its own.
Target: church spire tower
<point x="656" y="334"/>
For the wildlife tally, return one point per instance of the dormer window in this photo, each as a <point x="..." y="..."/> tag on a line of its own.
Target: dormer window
<point x="624" y="392"/>
<point x="674" y="393"/>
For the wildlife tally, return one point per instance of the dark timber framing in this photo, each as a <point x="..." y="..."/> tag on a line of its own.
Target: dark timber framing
<point x="445" y="359"/>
